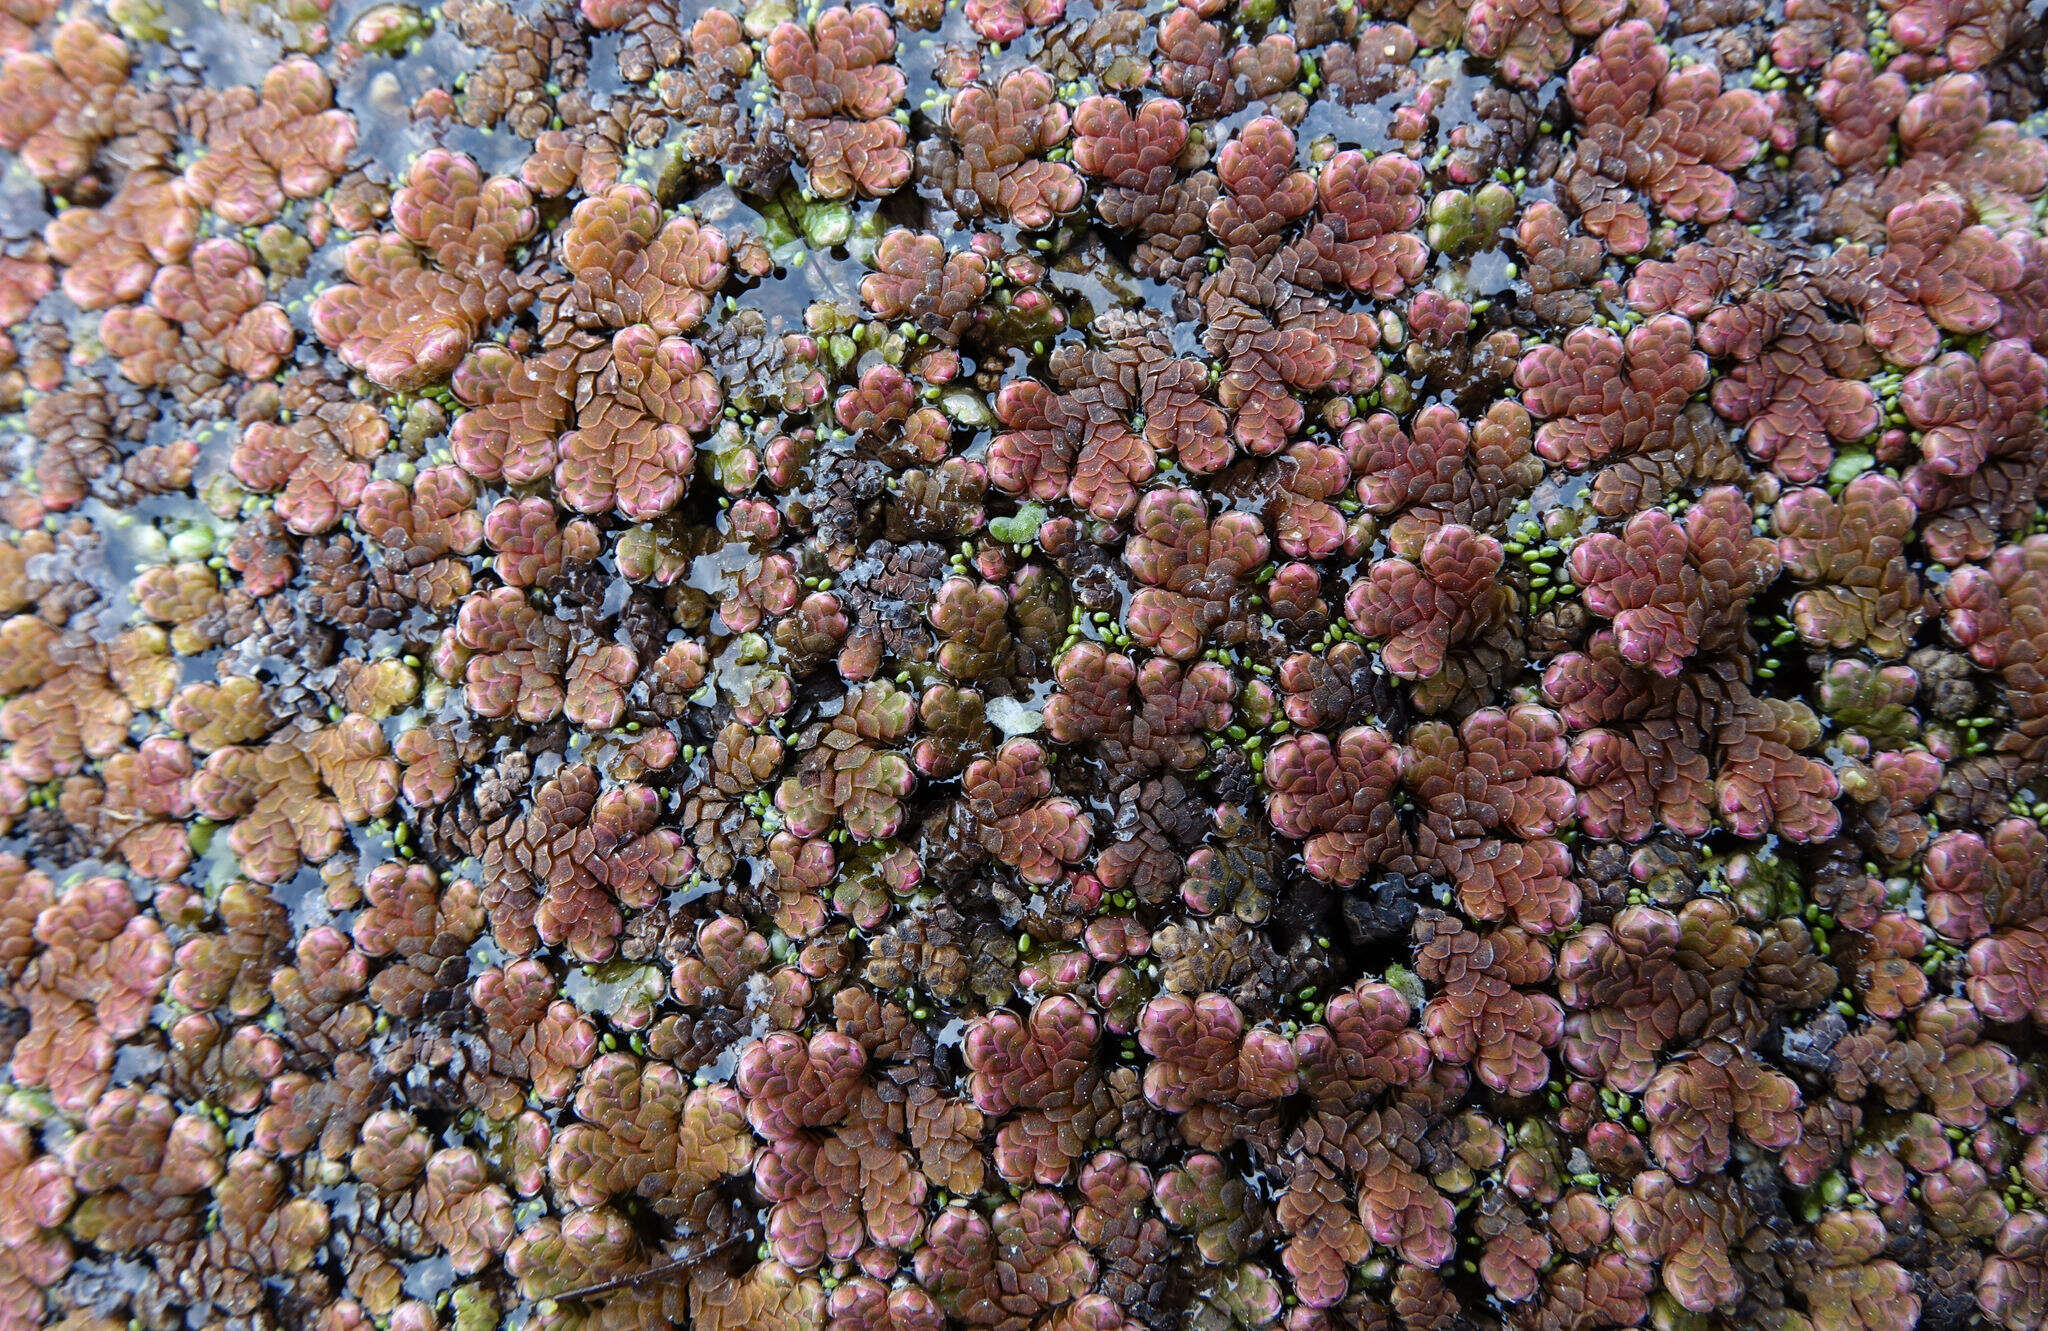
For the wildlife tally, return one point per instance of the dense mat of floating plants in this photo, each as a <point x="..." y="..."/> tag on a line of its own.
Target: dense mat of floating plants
<point x="1043" y="665"/>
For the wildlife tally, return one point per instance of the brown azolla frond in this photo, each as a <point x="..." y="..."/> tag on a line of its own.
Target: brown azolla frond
<point x="217" y="301"/>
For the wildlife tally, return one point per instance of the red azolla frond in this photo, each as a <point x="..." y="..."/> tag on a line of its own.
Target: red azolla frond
<point x="1673" y="134"/>
<point x="917" y="279"/>
<point x="1001" y="136"/>
<point x="1023" y="1257"/>
<point x="1366" y="1043"/>
<point x="1039" y="1071"/>
<point x="846" y="775"/>
<point x="1695" y="1103"/>
<point x="1533" y="38"/>
<point x="633" y="267"/>
<point x="1801" y="395"/>
<point x="417" y="295"/>
<point x="1195" y="569"/>
<point x="1161" y="726"/>
<point x="1937" y="271"/>
<point x="217" y="301"/>
<point x="1007" y="20"/>
<point x="1495" y="773"/>
<point x="265" y="146"/>
<point x="1423" y="607"/>
<point x="1203" y="1054"/>
<point x="1977" y="882"/>
<point x="59" y="103"/>
<point x="1604" y="398"/>
<point x="1022" y="823"/>
<point x="1854" y="549"/>
<point x="1642" y="983"/>
<point x="1994" y="611"/>
<point x="1972" y="411"/>
<point x="632" y="448"/>
<point x="1134" y="155"/>
<point x="1764" y="780"/>
<point x="292" y="798"/>
<point x="100" y="967"/>
<point x="1481" y="1013"/>
<point x="1275" y="338"/>
<point x="1965" y="34"/>
<point x="507" y="654"/>
<point x="838" y="85"/>
<point x="1442" y="469"/>
<point x="1368" y="207"/>
<point x="1665" y="583"/>
<point x="1860" y="106"/>
<point x="112" y="253"/>
<point x="792" y="1085"/>
<point x="1690" y="1230"/>
<point x="1079" y="441"/>
<point x="1335" y="797"/>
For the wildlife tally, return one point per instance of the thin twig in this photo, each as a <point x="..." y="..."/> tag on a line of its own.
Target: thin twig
<point x="652" y="1273"/>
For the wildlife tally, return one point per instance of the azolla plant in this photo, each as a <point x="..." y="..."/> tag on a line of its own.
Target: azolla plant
<point x="890" y="665"/>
